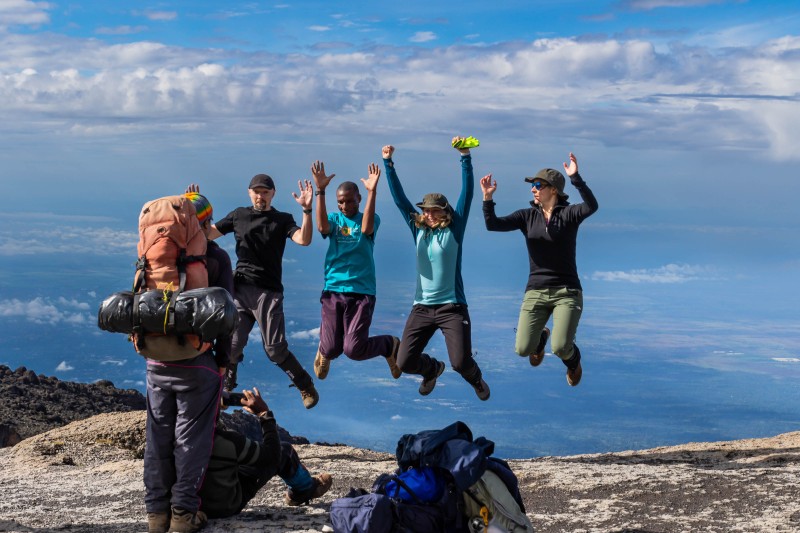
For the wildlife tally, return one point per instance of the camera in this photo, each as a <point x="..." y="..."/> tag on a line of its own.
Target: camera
<point x="232" y="399"/>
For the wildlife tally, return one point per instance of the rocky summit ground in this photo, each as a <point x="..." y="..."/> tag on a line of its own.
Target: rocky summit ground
<point x="87" y="476"/>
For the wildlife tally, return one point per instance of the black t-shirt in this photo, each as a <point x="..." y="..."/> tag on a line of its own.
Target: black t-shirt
<point x="220" y="274"/>
<point x="260" y="242"/>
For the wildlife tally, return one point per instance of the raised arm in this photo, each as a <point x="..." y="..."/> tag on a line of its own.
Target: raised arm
<point x="467" y="182"/>
<point x="371" y="185"/>
<point x="303" y="236"/>
<point x="321" y="181"/>
<point x="406" y="208"/>
<point x="589" y="204"/>
<point x="493" y="222"/>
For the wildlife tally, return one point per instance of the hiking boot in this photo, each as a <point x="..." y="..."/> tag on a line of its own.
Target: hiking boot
<point x="322" y="365"/>
<point x="184" y="521"/>
<point x="392" y="359"/>
<point x="321" y="484"/>
<point x="157" y="522"/>
<point x="575" y="373"/>
<point x="427" y="385"/>
<point x="482" y="390"/>
<point x="537" y="357"/>
<point x="230" y="377"/>
<point x="310" y="396"/>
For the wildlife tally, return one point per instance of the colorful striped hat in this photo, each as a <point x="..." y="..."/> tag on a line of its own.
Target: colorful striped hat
<point x="201" y="205"/>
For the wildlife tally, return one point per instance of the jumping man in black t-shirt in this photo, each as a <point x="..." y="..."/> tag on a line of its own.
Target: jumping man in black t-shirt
<point x="261" y="232"/>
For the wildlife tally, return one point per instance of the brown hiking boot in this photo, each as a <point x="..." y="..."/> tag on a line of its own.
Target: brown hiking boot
<point x="392" y="359"/>
<point x="157" y="522"/>
<point x="310" y="396"/>
<point x="184" y="521"/>
<point x="321" y="485"/>
<point x="322" y="365"/>
<point x="229" y="383"/>
<point x="537" y="358"/>
<point x="482" y="390"/>
<point x="427" y="385"/>
<point x="574" y="374"/>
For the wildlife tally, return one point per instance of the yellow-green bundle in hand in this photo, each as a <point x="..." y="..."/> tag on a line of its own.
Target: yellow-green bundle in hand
<point x="466" y="142"/>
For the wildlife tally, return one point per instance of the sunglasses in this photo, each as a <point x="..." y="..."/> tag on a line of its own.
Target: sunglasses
<point x="539" y="185"/>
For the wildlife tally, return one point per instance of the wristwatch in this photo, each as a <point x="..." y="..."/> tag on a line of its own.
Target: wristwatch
<point x="320" y="192"/>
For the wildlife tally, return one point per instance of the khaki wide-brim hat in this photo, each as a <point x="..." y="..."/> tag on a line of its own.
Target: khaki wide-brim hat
<point x="434" y="200"/>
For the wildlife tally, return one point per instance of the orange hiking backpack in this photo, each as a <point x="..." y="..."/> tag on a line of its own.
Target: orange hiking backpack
<point x="172" y="252"/>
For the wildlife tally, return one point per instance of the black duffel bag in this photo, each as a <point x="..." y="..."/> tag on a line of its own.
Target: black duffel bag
<point x="208" y="313"/>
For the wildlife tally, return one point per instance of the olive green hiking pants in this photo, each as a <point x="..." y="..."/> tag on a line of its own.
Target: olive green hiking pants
<point x="565" y="305"/>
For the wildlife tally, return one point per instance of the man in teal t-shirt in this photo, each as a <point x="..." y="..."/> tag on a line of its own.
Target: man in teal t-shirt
<point x="348" y="299"/>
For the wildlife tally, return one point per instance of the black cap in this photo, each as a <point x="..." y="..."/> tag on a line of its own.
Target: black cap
<point x="262" y="180"/>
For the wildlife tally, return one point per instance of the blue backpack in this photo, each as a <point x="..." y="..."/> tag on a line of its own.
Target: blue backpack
<point x="425" y="494"/>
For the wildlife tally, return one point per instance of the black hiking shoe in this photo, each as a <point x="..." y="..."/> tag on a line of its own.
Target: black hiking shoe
<point x="310" y="396"/>
<point x="321" y="484"/>
<point x="574" y="369"/>
<point x="537" y="357"/>
<point x="230" y="377"/>
<point x="427" y="385"/>
<point x="482" y="390"/>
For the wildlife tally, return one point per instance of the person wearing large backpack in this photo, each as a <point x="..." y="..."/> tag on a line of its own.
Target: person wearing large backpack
<point x="261" y="232"/>
<point x="439" y="301"/>
<point x="182" y="405"/>
<point x="348" y="298"/>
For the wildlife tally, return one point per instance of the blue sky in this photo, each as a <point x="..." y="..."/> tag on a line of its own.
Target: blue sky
<point x="683" y="115"/>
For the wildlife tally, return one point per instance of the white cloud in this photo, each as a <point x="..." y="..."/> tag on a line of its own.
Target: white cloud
<point x="24" y="13"/>
<point x="671" y="273"/>
<point x="161" y="15"/>
<point x="64" y="239"/>
<point x="786" y="359"/>
<point x="304" y="335"/>
<point x="639" y="93"/>
<point x="43" y="311"/>
<point x="396" y="417"/>
<point x="319" y="28"/>
<point x="63" y="366"/>
<point x="120" y="30"/>
<point x="422" y="37"/>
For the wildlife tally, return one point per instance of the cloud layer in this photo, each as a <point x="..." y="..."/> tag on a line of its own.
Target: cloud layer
<point x="636" y="92"/>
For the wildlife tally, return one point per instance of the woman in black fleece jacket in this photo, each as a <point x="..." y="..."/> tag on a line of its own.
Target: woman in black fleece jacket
<point x="550" y="227"/>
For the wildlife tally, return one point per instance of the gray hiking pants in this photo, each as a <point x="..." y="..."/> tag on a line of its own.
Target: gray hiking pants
<point x="255" y="304"/>
<point x="182" y="402"/>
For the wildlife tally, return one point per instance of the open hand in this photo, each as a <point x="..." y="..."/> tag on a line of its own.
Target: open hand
<point x="488" y="186"/>
<point x="320" y="179"/>
<point x="371" y="183"/>
<point x="572" y="168"/>
<point x="306" y="194"/>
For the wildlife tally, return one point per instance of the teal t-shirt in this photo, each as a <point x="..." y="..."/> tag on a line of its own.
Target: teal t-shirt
<point x="349" y="264"/>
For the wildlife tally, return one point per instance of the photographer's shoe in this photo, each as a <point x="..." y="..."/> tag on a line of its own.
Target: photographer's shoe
<point x="322" y="483"/>
<point x="184" y="521"/>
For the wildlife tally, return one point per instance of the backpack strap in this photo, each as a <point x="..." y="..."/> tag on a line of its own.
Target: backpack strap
<point x="484" y="509"/>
